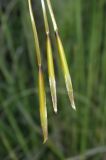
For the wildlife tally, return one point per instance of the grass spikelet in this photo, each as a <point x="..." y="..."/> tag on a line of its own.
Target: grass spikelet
<point x="65" y="71"/>
<point x="42" y="95"/>
<point x="51" y="73"/>
<point x="62" y="57"/>
<point x="42" y="100"/>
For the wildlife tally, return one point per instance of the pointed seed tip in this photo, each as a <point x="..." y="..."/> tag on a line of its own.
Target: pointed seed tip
<point x="45" y="140"/>
<point x="55" y="110"/>
<point x="73" y="106"/>
<point x="55" y="107"/>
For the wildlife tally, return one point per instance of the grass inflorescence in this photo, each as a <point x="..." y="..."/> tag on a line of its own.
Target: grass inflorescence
<point x="51" y="73"/>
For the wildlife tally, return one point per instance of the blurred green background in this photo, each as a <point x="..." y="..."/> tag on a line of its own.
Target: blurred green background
<point x="82" y="26"/>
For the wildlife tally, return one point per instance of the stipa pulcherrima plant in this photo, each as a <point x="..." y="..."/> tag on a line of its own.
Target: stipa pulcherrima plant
<point x="51" y="74"/>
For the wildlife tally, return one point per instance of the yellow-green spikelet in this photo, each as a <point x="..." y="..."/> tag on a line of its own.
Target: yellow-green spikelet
<point x="51" y="74"/>
<point x="42" y="101"/>
<point x="42" y="94"/>
<point x="65" y="70"/>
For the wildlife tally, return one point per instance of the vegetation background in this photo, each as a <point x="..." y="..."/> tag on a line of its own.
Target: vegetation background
<point x="82" y="26"/>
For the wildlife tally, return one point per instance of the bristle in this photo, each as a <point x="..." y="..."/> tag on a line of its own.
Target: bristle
<point x="37" y="46"/>
<point x="52" y="15"/>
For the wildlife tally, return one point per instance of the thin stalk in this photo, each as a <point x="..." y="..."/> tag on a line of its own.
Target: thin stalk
<point x="52" y="15"/>
<point x="51" y="73"/>
<point x="38" y="52"/>
<point x="42" y="94"/>
<point x="62" y="57"/>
